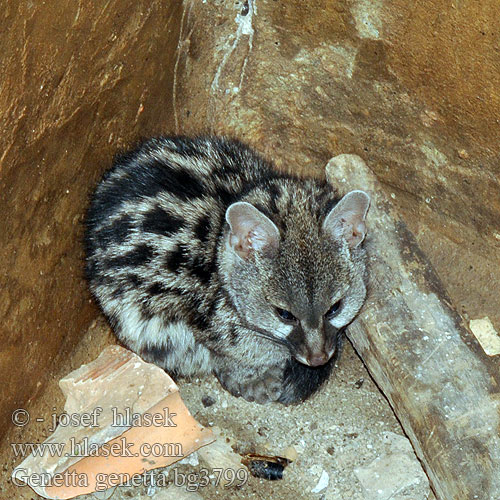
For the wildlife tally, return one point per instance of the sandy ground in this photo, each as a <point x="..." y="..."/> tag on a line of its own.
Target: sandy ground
<point x="339" y="429"/>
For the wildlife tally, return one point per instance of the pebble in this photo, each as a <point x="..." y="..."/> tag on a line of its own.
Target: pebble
<point x="322" y="484"/>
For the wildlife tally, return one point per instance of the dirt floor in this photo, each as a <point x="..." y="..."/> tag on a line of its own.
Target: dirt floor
<point x="345" y="426"/>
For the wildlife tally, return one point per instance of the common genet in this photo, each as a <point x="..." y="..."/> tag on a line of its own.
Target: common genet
<point x="206" y="259"/>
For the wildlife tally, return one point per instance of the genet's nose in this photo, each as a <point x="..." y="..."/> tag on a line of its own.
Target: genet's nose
<point x="317" y="359"/>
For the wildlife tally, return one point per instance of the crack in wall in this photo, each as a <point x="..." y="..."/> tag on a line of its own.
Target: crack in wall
<point x="245" y="27"/>
<point x="181" y="45"/>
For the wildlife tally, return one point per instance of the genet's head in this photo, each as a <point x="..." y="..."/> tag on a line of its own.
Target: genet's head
<point x="298" y="279"/>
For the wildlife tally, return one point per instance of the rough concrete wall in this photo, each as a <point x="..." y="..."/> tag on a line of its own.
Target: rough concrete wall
<point x="410" y="87"/>
<point x="80" y="80"/>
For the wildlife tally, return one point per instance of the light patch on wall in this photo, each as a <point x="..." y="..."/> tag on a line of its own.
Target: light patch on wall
<point x="244" y="22"/>
<point x="366" y="14"/>
<point x="433" y="155"/>
<point x="337" y="60"/>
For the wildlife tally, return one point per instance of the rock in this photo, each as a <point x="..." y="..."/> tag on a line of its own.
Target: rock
<point x="104" y="495"/>
<point x="220" y="455"/>
<point x="359" y="383"/>
<point x="486" y="335"/>
<point x="397" y="475"/>
<point x="191" y="459"/>
<point x="207" y="401"/>
<point x="323" y="482"/>
<point x="291" y="453"/>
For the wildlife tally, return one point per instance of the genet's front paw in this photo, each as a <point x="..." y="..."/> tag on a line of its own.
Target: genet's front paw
<point x="263" y="389"/>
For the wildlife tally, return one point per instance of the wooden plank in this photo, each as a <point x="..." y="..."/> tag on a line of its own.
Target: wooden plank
<point x="442" y="386"/>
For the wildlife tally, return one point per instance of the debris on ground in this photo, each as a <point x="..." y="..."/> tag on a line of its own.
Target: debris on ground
<point x="396" y="475"/>
<point x="122" y="417"/>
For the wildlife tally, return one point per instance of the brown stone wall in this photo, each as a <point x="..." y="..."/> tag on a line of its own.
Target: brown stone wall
<point x="80" y="80"/>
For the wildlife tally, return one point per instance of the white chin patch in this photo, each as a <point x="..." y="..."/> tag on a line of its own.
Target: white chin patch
<point x="302" y="360"/>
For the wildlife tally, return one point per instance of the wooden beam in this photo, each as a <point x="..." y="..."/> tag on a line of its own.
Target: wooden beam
<point x="442" y="386"/>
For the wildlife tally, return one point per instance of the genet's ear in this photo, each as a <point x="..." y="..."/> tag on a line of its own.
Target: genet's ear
<point x="347" y="218"/>
<point x="251" y="230"/>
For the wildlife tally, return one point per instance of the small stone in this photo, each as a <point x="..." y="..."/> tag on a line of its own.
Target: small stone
<point x="207" y="401"/>
<point x="486" y="334"/>
<point x="428" y="118"/>
<point x="104" y="495"/>
<point x="463" y="154"/>
<point x="173" y="493"/>
<point x="291" y="453"/>
<point x="359" y="383"/>
<point x="220" y="455"/>
<point x="190" y="460"/>
<point x="322" y="483"/>
<point x="300" y="447"/>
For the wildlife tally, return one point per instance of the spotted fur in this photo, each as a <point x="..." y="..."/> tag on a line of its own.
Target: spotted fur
<point x="164" y="264"/>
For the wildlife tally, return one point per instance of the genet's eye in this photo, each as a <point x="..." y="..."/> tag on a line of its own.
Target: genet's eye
<point x="334" y="309"/>
<point x="284" y="315"/>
